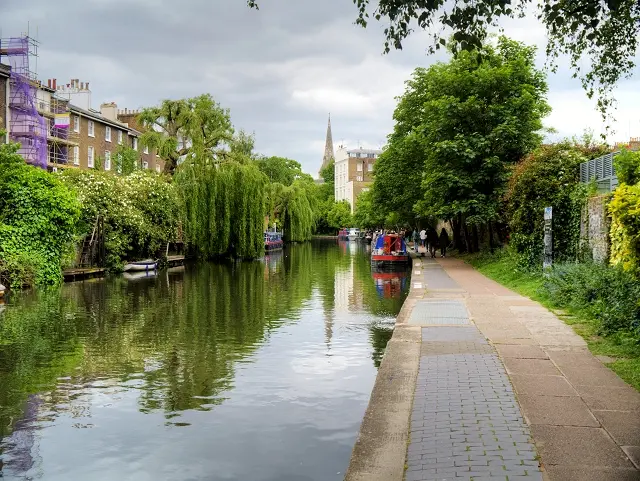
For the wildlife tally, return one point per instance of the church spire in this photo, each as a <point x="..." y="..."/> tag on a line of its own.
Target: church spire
<point x="328" y="147"/>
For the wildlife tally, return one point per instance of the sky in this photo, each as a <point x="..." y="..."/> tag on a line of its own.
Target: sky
<point x="280" y="70"/>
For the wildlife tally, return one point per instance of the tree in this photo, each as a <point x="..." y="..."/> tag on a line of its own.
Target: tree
<point x="282" y="170"/>
<point x="339" y="215"/>
<point x="328" y="174"/>
<point x="468" y="120"/>
<point x="606" y="31"/>
<point x="366" y="215"/>
<point x="184" y="128"/>
<point x="126" y="160"/>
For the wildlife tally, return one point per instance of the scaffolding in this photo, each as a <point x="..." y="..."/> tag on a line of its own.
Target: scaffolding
<point x="61" y="137"/>
<point x="26" y="125"/>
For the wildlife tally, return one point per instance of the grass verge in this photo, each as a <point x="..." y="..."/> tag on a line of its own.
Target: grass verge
<point x="502" y="268"/>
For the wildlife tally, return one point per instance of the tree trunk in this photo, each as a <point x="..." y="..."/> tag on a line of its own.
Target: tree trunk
<point x="476" y="243"/>
<point x="491" y="236"/>
<point x="467" y="238"/>
<point x="458" y="240"/>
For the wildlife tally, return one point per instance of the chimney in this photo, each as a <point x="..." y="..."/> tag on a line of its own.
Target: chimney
<point x="86" y="85"/>
<point x="109" y="110"/>
<point x="49" y="82"/>
<point x="55" y="84"/>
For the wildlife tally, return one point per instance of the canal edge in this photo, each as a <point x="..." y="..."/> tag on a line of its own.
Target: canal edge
<point x="380" y="449"/>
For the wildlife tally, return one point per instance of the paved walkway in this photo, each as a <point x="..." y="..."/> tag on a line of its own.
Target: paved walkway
<point x="500" y="384"/>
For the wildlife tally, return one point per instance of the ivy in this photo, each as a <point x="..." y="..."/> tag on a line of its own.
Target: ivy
<point x="624" y="209"/>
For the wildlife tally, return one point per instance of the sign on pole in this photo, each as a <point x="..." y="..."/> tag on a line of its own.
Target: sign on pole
<point x="548" y="238"/>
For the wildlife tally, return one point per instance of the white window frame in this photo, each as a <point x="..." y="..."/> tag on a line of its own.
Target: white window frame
<point x="146" y="149"/>
<point x="107" y="160"/>
<point x="359" y="167"/>
<point x="91" y="128"/>
<point x="145" y="164"/>
<point x="370" y="167"/>
<point x="76" y="155"/>
<point x="76" y="123"/>
<point x="107" y="133"/>
<point x="135" y="143"/>
<point x="91" y="154"/>
<point x="359" y="178"/>
<point x="120" y="136"/>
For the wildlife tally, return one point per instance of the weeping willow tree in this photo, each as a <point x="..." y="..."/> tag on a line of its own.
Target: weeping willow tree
<point x="224" y="206"/>
<point x="293" y="207"/>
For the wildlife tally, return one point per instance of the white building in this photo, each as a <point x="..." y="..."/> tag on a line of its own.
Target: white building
<point x="353" y="173"/>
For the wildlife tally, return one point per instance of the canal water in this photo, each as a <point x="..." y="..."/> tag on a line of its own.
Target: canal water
<point x="246" y="371"/>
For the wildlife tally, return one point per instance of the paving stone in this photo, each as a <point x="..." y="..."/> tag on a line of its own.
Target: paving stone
<point x="623" y="426"/>
<point x="542" y="385"/>
<point x="530" y="366"/>
<point x="521" y="352"/>
<point x="573" y="473"/>
<point x="612" y="398"/>
<point x="557" y="410"/>
<point x="590" y="376"/>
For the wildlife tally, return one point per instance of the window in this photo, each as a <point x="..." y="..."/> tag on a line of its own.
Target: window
<point x="145" y="165"/>
<point x="146" y="149"/>
<point x="76" y="155"/>
<point x="91" y="128"/>
<point x="158" y="168"/>
<point x="135" y="143"/>
<point x="371" y="156"/>
<point x="119" y="136"/>
<point x="370" y="167"/>
<point x="359" y="178"/>
<point x="76" y="123"/>
<point x="366" y="189"/>
<point x="107" y="134"/>
<point x="359" y="167"/>
<point x="107" y="160"/>
<point x="90" y="157"/>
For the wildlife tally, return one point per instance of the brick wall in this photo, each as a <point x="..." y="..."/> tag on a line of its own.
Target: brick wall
<point x="594" y="228"/>
<point x="4" y="112"/>
<point x="153" y="161"/>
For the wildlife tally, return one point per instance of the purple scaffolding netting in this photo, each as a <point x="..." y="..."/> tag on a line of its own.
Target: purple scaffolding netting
<point x="26" y="126"/>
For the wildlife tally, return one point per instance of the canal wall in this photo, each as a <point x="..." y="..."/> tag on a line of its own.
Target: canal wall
<point x="380" y="449"/>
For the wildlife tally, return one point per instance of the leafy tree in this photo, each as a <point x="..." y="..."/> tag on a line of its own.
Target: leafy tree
<point x="339" y="215"/>
<point x="627" y="166"/>
<point x="191" y="127"/>
<point x="606" y="31"/>
<point x="281" y="170"/>
<point x="328" y="174"/>
<point x="366" y="215"/>
<point x="468" y="120"/>
<point x="126" y="160"/>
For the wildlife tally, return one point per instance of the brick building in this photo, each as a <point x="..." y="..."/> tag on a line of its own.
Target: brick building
<point x="5" y="71"/>
<point x="131" y="118"/>
<point x="353" y="173"/>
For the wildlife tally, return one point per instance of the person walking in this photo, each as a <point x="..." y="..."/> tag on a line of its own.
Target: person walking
<point x="423" y="237"/>
<point x="444" y="242"/>
<point x="416" y="236"/>
<point x="432" y="237"/>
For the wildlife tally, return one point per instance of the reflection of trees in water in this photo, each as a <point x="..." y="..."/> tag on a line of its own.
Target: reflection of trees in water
<point x="379" y="336"/>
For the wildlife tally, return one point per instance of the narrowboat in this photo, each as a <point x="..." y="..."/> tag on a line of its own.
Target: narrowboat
<point x="141" y="266"/>
<point x="343" y="234"/>
<point x="389" y="250"/>
<point x="353" y="234"/>
<point x="273" y="241"/>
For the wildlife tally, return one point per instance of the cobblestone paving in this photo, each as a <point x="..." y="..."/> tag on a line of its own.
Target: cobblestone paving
<point x="466" y="423"/>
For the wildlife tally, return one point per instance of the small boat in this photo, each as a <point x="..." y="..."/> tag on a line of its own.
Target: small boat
<point x="135" y="275"/>
<point x="273" y="241"/>
<point x="390" y="250"/>
<point x="145" y="265"/>
<point x="343" y="234"/>
<point x="353" y="234"/>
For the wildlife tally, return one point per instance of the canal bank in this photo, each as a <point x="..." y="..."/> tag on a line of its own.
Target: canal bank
<point x="474" y="375"/>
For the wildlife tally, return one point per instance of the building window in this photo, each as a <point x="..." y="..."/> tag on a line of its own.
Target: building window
<point x="107" y="134"/>
<point x="359" y="167"/>
<point x="135" y="143"/>
<point x="91" y="128"/>
<point x="370" y="167"/>
<point x="76" y="155"/>
<point x="76" y="123"/>
<point x="107" y="160"/>
<point x="119" y="136"/>
<point x="145" y="165"/>
<point x="359" y="178"/>
<point x="146" y="149"/>
<point x="158" y="168"/>
<point x="90" y="157"/>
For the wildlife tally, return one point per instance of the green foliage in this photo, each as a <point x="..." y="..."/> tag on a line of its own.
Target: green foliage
<point x="547" y="177"/>
<point x="224" y="207"/>
<point x="140" y="211"/>
<point x="281" y="170"/>
<point x="605" y="32"/>
<point x="609" y="295"/>
<point x="624" y="209"/>
<point x="339" y="215"/>
<point x="297" y="212"/>
<point x="627" y="167"/>
<point x="366" y="216"/>
<point x="126" y="160"/>
<point x="190" y="127"/>
<point x="328" y="174"/>
<point x="38" y="216"/>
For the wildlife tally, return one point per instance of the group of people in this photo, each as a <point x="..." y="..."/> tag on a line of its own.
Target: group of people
<point x="430" y="239"/>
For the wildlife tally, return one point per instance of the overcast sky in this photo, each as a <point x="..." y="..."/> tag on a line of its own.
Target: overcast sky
<point x="280" y="70"/>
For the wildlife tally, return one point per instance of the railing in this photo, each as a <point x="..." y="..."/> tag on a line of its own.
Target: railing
<point x="601" y="170"/>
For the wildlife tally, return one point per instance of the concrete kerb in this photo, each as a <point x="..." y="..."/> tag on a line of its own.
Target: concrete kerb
<point x="380" y="450"/>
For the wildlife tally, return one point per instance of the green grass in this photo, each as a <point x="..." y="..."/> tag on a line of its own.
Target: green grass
<point x="501" y="267"/>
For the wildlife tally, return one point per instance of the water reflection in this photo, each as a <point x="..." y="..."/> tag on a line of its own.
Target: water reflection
<point x="240" y="371"/>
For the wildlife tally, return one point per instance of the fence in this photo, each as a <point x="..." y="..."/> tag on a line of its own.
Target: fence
<point x="601" y="170"/>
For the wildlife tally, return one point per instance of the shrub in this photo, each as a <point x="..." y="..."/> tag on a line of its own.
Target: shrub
<point x="624" y="209"/>
<point x="627" y="167"/>
<point x="608" y="295"/>
<point x="38" y="217"/>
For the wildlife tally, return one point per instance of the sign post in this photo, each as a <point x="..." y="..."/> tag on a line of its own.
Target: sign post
<point x="548" y="238"/>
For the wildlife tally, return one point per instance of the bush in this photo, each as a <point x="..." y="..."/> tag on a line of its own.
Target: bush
<point x="627" y="167"/>
<point x="624" y="209"/>
<point x="608" y="295"/>
<point x="38" y="217"/>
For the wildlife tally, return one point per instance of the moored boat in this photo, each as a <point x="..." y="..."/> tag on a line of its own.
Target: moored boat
<point x="2" y="289"/>
<point x="138" y="266"/>
<point x="273" y="241"/>
<point x="353" y="234"/>
<point x="343" y="234"/>
<point x="389" y="250"/>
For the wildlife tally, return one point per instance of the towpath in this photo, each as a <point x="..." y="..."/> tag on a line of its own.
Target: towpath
<point x="481" y="383"/>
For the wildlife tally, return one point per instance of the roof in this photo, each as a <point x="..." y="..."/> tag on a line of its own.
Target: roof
<point x="5" y="70"/>
<point x="364" y="151"/>
<point x="100" y="118"/>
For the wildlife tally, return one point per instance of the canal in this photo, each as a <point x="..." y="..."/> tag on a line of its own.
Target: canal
<point x="244" y="371"/>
